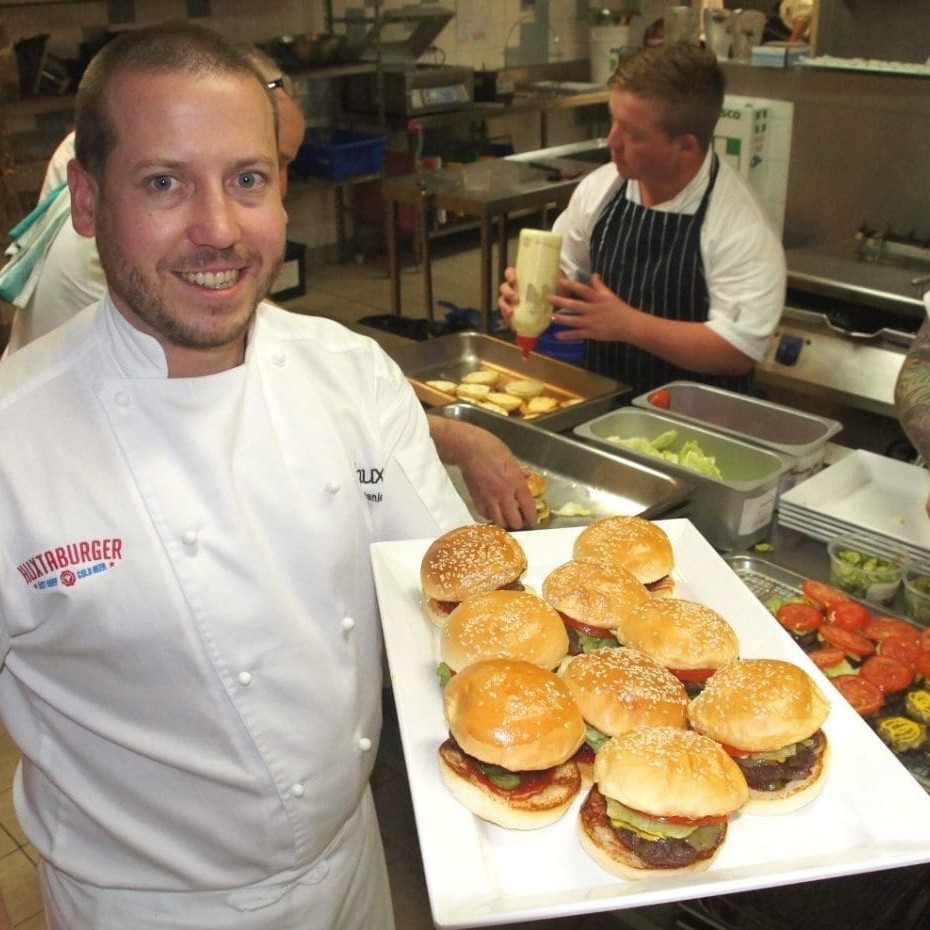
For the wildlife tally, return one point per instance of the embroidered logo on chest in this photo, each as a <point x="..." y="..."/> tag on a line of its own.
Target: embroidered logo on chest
<point x="67" y="565"/>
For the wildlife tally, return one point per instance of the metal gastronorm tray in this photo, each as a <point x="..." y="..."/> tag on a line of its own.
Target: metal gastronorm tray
<point x="449" y="358"/>
<point x="576" y="472"/>
<point x="767" y="581"/>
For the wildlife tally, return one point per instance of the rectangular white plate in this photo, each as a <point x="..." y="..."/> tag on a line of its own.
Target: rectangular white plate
<point x="871" y="815"/>
<point x="870" y="492"/>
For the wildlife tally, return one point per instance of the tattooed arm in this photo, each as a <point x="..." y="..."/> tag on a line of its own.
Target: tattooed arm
<point x="912" y="393"/>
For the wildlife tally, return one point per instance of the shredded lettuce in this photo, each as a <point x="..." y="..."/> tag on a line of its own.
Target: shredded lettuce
<point x="689" y="456"/>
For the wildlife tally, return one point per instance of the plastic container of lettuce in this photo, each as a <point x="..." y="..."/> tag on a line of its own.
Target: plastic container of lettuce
<point x="917" y="595"/>
<point x="864" y="569"/>
<point x="735" y="482"/>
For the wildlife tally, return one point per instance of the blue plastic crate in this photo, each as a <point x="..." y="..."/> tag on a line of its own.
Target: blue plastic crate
<point x="339" y="153"/>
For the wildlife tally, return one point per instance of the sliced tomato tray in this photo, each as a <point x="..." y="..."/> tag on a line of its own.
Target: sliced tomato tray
<point x="878" y="661"/>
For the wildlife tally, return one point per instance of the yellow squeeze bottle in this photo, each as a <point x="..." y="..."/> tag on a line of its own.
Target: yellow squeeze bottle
<point x="537" y="270"/>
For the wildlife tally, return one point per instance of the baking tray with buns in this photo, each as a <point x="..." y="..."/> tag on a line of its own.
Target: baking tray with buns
<point x="870" y="815"/>
<point x="567" y="394"/>
<point x="579" y="477"/>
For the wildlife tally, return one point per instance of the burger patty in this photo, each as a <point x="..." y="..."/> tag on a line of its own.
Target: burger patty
<point x="654" y="854"/>
<point x="768" y="775"/>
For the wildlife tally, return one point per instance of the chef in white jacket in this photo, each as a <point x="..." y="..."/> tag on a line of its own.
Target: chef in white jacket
<point x="189" y="483"/>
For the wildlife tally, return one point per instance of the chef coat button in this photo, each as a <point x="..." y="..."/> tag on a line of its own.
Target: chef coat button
<point x="333" y="487"/>
<point x="189" y="537"/>
<point x="298" y="791"/>
<point x="364" y="744"/>
<point x="348" y="624"/>
<point x="122" y="398"/>
<point x="245" y="679"/>
<point x="279" y="359"/>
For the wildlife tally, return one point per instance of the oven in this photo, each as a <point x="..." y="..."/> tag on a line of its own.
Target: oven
<point x="850" y="316"/>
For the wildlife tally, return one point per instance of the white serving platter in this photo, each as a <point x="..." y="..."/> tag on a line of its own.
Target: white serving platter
<point x="871" y="814"/>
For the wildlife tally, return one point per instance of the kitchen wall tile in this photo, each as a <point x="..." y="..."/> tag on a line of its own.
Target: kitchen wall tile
<point x="8" y="818"/>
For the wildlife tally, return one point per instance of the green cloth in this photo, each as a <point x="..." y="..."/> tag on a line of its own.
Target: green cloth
<point x="32" y="237"/>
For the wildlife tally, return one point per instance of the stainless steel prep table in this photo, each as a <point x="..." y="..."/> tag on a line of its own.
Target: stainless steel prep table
<point x="514" y="186"/>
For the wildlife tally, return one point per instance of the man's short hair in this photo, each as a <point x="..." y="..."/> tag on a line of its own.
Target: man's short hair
<point x="687" y="79"/>
<point x="163" y="49"/>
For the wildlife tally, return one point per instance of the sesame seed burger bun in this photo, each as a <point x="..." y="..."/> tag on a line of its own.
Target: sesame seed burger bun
<point x="662" y="772"/>
<point x="633" y="543"/>
<point x="515" y="715"/>
<point x="620" y="689"/>
<point x="761" y="706"/>
<point x="503" y="624"/>
<point x="595" y="594"/>
<point x="680" y="635"/>
<point x="468" y="560"/>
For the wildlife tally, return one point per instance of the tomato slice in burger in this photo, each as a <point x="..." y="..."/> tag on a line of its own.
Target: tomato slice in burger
<point x="827" y="657"/>
<point x="597" y="632"/>
<point x="925" y="639"/>
<point x="849" y="615"/>
<point x="822" y="595"/>
<point x="863" y="695"/>
<point x="799" y="618"/>
<point x="852" y="643"/>
<point x="904" y="650"/>
<point x="880" y="628"/>
<point x="692" y="674"/>
<point x="888" y="675"/>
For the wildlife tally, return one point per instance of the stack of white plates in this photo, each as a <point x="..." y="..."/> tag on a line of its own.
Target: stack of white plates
<point x="877" y="498"/>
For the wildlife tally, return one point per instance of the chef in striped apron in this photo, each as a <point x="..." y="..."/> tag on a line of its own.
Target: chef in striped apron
<point x="672" y="269"/>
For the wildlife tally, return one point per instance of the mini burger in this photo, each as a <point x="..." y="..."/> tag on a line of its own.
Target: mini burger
<point x="513" y="729"/>
<point x="618" y="690"/>
<point x="538" y="485"/>
<point x="592" y="599"/>
<point x="633" y="543"/>
<point x="691" y="640"/>
<point x="501" y="625"/>
<point x="468" y="560"/>
<point x="768" y="715"/>
<point x="660" y="804"/>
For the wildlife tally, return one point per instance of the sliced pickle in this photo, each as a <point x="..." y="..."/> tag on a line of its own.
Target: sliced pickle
<point x="901" y="733"/>
<point x="917" y="705"/>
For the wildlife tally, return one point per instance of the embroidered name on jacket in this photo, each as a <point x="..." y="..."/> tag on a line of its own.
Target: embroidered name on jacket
<point x="67" y="565"/>
<point x="373" y="478"/>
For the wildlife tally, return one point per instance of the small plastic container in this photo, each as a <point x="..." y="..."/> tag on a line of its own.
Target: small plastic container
<point x="865" y="569"/>
<point x="917" y="595"/>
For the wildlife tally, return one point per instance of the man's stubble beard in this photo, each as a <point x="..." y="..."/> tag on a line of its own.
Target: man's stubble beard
<point x="129" y="287"/>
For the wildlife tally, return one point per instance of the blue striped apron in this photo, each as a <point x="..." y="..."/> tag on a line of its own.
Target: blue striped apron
<point x="652" y="259"/>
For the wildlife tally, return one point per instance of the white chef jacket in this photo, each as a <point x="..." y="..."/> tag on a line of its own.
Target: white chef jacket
<point x="744" y="262"/>
<point x="187" y="615"/>
<point x="57" y="169"/>
<point x="71" y="279"/>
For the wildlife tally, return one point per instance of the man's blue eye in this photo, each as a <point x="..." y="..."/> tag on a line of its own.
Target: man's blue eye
<point x="162" y="183"/>
<point x="249" y="179"/>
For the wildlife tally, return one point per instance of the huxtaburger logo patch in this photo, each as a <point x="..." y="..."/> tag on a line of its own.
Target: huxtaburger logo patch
<point x="66" y="566"/>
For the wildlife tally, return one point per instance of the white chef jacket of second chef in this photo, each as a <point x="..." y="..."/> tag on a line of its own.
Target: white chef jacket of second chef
<point x="187" y="609"/>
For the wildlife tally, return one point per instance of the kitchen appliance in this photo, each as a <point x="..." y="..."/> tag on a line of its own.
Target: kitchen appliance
<point x="396" y="40"/>
<point x="850" y="316"/>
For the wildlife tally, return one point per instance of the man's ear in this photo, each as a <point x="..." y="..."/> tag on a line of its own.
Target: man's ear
<point x="84" y="191"/>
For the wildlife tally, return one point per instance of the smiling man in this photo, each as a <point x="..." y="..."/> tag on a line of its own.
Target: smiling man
<point x="190" y="648"/>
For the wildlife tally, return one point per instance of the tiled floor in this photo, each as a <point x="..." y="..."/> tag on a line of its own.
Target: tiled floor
<point x="345" y="292"/>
